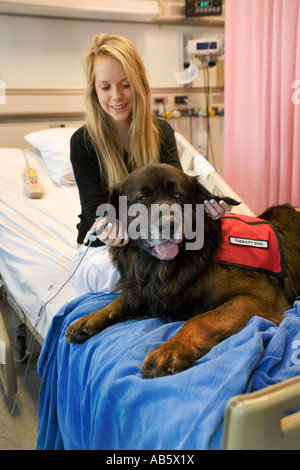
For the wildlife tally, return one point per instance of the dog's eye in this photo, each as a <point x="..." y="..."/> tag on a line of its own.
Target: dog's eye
<point x="143" y="198"/>
<point x="178" y="195"/>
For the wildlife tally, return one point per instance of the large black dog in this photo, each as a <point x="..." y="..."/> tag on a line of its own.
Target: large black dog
<point x="160" y="277"/>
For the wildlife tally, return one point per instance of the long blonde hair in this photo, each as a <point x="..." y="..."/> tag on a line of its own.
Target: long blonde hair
<point x="143" y="133"/>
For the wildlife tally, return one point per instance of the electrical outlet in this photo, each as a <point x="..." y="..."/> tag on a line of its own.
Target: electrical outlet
<point x="180" y="99"/>
<point x="159" y="100"/>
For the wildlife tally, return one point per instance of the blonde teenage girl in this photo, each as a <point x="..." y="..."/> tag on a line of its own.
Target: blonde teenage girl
<point x="120" y="134"/>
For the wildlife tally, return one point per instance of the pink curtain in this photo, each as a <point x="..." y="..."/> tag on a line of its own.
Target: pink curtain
<point x="262" y="107"/>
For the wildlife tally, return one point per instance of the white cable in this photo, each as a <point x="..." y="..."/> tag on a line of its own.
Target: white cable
<point x="90" y="237"/>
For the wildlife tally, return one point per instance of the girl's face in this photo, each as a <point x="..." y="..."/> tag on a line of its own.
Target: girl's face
<point x="113" y="89"/>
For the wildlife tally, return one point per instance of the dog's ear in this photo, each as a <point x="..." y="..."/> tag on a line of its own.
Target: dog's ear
<point x="111" y="209"/>
<point x="203" y="194"/>
<point x="114" y="195"/>
<point x="114" y="201"/>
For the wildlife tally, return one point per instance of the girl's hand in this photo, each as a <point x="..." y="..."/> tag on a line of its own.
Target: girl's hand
<point x="216" y="209"/>
<point x="113" y="234"/>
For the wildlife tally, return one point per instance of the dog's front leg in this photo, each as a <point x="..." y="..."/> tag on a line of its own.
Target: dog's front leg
<point x="200" y="333"/>
<point x="85" y="327"/>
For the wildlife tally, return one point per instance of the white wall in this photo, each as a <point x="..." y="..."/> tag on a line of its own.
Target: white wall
<point x="44" y="54"/>
<point x="47" y="53"/>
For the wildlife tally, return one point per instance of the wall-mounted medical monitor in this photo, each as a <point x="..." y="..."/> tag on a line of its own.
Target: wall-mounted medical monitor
<point x="203" y="8"/>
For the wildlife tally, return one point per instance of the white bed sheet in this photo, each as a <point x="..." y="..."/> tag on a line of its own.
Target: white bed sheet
<point x="37" y="238"/>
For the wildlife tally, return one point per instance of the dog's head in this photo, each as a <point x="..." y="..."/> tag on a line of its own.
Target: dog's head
<point x="158" y="206"/>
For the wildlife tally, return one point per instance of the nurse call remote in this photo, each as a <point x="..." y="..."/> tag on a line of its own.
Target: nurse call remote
<point x="33" y="187"/>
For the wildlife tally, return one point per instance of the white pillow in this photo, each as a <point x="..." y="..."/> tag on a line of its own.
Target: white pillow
<point x="54" y="145"/>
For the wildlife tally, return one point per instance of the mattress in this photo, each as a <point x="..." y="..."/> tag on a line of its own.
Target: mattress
<point x="37" y="238"/>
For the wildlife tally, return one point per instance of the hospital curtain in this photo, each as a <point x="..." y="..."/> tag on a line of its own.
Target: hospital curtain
<point x="262" y="101"/>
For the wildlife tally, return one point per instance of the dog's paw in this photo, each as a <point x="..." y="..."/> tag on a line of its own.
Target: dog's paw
<point x="81" y="330"/>
<point x="168" y="359"/>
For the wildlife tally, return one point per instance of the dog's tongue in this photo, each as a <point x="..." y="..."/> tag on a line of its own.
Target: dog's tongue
<point x="167" y="249"/>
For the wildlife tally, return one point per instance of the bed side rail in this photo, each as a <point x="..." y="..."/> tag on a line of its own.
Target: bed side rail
<point x="194" y="163"/>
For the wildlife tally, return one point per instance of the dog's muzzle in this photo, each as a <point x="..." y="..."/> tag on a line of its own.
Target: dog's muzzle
<point x="160" y="228"/>
<point x="166" y="234"/>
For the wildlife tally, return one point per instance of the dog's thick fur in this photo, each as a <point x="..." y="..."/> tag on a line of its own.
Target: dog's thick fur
<point x="215" y="300"/>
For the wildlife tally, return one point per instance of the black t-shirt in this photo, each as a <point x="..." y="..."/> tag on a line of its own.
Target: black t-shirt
<point x="92" y="187"/>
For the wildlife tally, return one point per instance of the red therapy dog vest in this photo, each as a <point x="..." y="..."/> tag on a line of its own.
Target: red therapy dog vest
<point x="251" y="243"/>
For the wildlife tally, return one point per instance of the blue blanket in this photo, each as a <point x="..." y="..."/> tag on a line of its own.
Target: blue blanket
<point x="93" y="396"/>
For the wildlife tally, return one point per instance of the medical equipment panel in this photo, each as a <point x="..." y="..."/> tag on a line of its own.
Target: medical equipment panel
<point x="203" y="8"/>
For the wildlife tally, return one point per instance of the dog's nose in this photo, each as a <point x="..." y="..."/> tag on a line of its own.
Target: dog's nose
<point x="167" y="226"/>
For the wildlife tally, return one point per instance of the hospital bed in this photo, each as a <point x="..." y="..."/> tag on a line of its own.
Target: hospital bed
<point x="37" y="237"/>
<point x="240" y="396"/>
